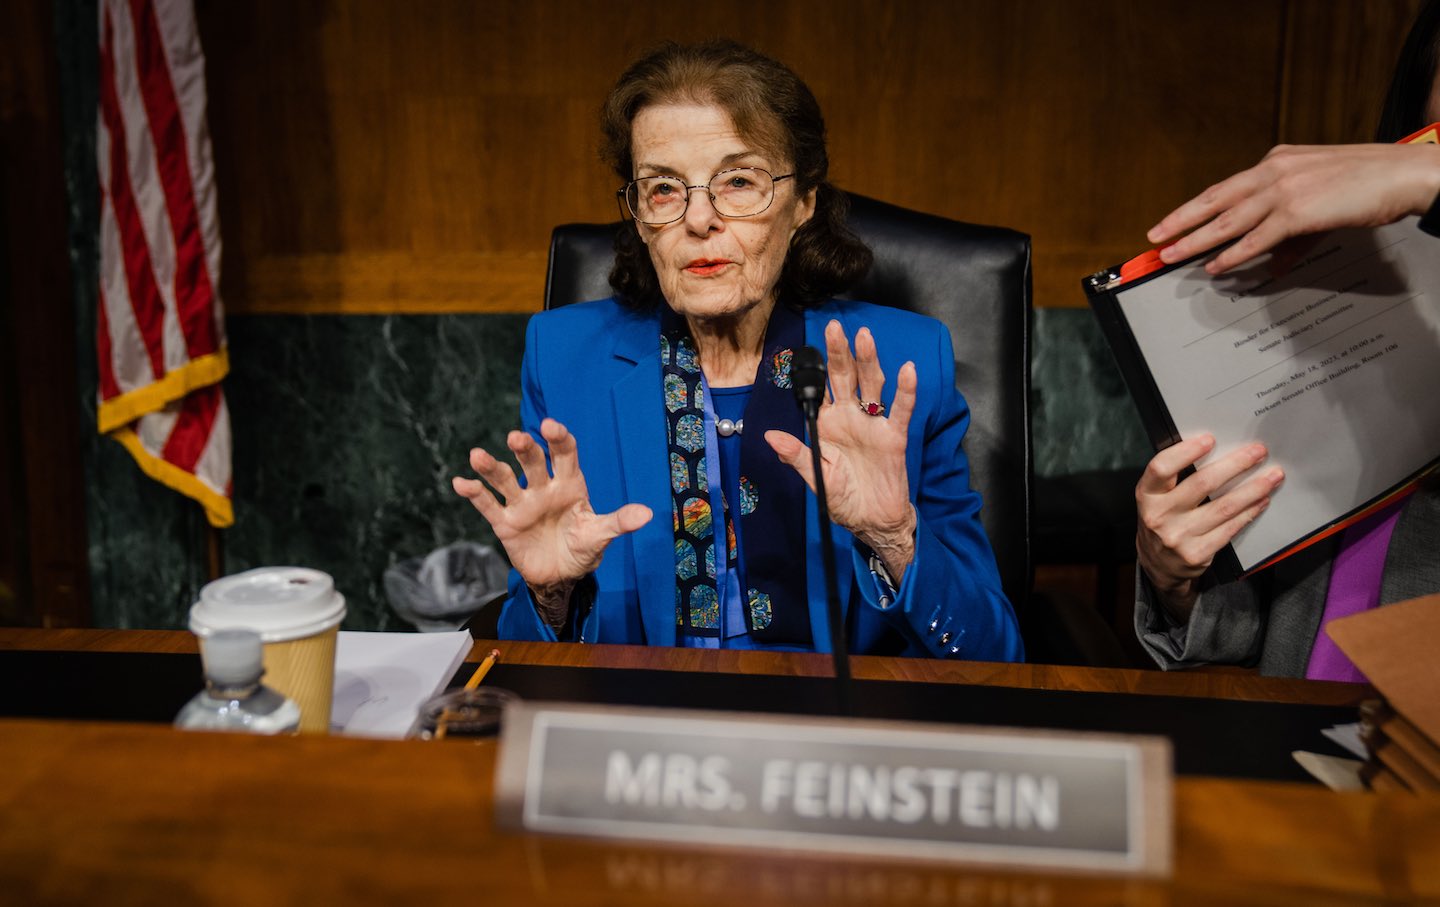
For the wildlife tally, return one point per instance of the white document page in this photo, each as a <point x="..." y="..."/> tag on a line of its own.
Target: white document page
<point x="1334" y="364"/>
<point x="382" y="679"/>
<point x="1348" y="737"/>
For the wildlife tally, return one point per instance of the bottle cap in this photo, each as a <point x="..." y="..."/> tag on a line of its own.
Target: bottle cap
<point x="233" y="657"/>
<point x="279" y="603"/>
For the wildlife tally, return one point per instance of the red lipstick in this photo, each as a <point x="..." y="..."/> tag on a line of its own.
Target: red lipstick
<point x="704" y="267"/>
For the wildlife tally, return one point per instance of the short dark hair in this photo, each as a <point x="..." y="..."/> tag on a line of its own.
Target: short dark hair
<point x="1414" y="79"/>
<point x="770" y="106"/>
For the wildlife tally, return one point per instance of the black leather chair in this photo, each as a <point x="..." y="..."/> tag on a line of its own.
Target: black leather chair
<point x="975" y="279"/>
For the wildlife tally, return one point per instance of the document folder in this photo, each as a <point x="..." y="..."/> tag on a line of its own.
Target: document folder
<point x="1327" y="351"/>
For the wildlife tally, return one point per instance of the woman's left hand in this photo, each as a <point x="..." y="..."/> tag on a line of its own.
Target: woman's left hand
<point x="863" y="455"/>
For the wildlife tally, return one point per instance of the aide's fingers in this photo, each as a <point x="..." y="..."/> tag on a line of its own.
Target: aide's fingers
<point x="1211" y="477"/>
<point x="903" y="406"/>
<point x="1236" y="501"/>
<point x="531" y="457"/>
<point x="793" y="452"/>
<point x="839" y="363"/>
<point x="500" y="476"/>
<point x="1195" y="553"/>
<point x="1163" y="469"/>
<point x="869" y="377"/>
<point x="1191" y="214"/>
<point x="1237" y="219"/>
<point x="1205" y="206"/>
<point x="1222" y="535"/>
<point x="1261" y="238"/>
<point x="564" y="452"/>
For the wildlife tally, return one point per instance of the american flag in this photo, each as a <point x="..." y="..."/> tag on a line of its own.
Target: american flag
<point x="160" y="327"/>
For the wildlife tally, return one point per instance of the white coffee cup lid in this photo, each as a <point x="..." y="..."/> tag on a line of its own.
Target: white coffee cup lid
<point x="279" y="603"/>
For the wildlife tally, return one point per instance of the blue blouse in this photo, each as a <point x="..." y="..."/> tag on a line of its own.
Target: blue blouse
<point x="729" y="403"/>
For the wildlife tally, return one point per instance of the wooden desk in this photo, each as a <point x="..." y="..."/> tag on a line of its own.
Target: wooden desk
<point x="1225" y="684"/>
<point x="120" y="813"/>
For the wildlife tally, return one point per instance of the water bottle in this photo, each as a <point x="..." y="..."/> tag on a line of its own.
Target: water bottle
<point x="234" y="699"/>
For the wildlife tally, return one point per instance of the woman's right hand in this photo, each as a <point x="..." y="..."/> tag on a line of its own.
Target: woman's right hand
<point x="550" y="533"/>
<point x="1179" y="532"/>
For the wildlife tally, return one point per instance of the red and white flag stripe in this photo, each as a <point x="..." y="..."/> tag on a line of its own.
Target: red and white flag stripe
<point x="160" y="326"/>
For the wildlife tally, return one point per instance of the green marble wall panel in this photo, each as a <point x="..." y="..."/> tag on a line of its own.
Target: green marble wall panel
<point x="147" y="544"/>
<point x="1082" y="417"/>
<point x="347" y="432"/>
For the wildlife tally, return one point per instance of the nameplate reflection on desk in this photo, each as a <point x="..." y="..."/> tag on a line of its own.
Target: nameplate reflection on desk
<point x="888" y="789"/>
<point x="561" y="869"/>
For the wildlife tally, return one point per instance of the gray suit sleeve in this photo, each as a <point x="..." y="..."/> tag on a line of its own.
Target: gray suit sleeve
<point x="1226" y="627"/>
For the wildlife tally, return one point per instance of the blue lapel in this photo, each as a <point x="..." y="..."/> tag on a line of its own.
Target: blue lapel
<point x="639" y="404"/>
<point x="815" y="321"/>
<point x="638" y="400"/>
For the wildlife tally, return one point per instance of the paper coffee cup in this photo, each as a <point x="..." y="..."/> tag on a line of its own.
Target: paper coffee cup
<point x="297" y="613"/>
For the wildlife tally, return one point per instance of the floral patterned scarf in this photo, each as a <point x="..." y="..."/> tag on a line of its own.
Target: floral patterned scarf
<point x="770" y="553"/>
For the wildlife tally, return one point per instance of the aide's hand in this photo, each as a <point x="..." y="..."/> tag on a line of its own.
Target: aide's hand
<point x="863" y="456"/>
<point x="1298" y="189"/>
<point x="1178" y="532"/>
<point x="551" y="534"/>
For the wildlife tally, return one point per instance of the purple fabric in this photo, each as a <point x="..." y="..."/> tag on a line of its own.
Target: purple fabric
<point x="1354" y="587"/>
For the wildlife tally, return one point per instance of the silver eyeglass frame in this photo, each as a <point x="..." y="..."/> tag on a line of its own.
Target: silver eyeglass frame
<point x="622" y="196"/>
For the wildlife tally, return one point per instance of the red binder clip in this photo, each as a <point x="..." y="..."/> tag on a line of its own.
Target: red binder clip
<point x="1140" y="265"/>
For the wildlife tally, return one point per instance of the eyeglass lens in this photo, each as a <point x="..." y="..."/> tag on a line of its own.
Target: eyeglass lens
<point x="741" y="192"/>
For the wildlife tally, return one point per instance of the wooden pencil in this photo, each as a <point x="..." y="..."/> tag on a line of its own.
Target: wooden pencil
<point x="484" y="669"/>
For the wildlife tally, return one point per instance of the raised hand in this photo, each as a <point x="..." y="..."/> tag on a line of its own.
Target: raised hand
<point x="863" y="455"/>
<point x="1299" y="189"/>
<point x="1179" y="532"/>
<point x="550" y="533"/>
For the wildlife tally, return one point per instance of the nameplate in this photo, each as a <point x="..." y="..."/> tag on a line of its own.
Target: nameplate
<point x="896" y="790"/>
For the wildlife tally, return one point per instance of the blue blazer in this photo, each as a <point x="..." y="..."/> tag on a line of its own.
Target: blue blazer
<point x="595" y="367"/>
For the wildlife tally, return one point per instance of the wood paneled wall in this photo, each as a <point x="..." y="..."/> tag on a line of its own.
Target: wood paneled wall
<point x="43" y="572"/>
<point x="389" y="156"/>
<point x="400" y="156"/>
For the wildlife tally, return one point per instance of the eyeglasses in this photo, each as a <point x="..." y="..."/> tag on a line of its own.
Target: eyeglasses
<point x="660" y="200"/>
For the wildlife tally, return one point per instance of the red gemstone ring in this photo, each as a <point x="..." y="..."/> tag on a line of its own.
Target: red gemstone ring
<point x="871" y="409"/>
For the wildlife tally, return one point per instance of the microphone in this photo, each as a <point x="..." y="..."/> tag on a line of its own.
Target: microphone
<point x="807" y="377"/>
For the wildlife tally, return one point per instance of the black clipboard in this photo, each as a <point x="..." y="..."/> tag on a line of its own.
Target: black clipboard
<point x="1102" y="290"/>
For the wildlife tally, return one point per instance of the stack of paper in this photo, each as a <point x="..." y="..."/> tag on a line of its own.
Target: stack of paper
<point x="1395" y="646"/>
<point x="382" y="679"/>
<point x="1401" y="757"/>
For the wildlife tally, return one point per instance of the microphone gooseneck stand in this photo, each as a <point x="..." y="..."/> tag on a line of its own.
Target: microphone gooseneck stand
<point x="808" y="377"/>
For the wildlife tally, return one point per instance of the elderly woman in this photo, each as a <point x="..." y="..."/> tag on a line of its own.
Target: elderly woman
<point x="673" y="399"/>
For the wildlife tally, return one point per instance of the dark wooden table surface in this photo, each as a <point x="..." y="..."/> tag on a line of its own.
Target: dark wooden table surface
<point x="115" y="813"/>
